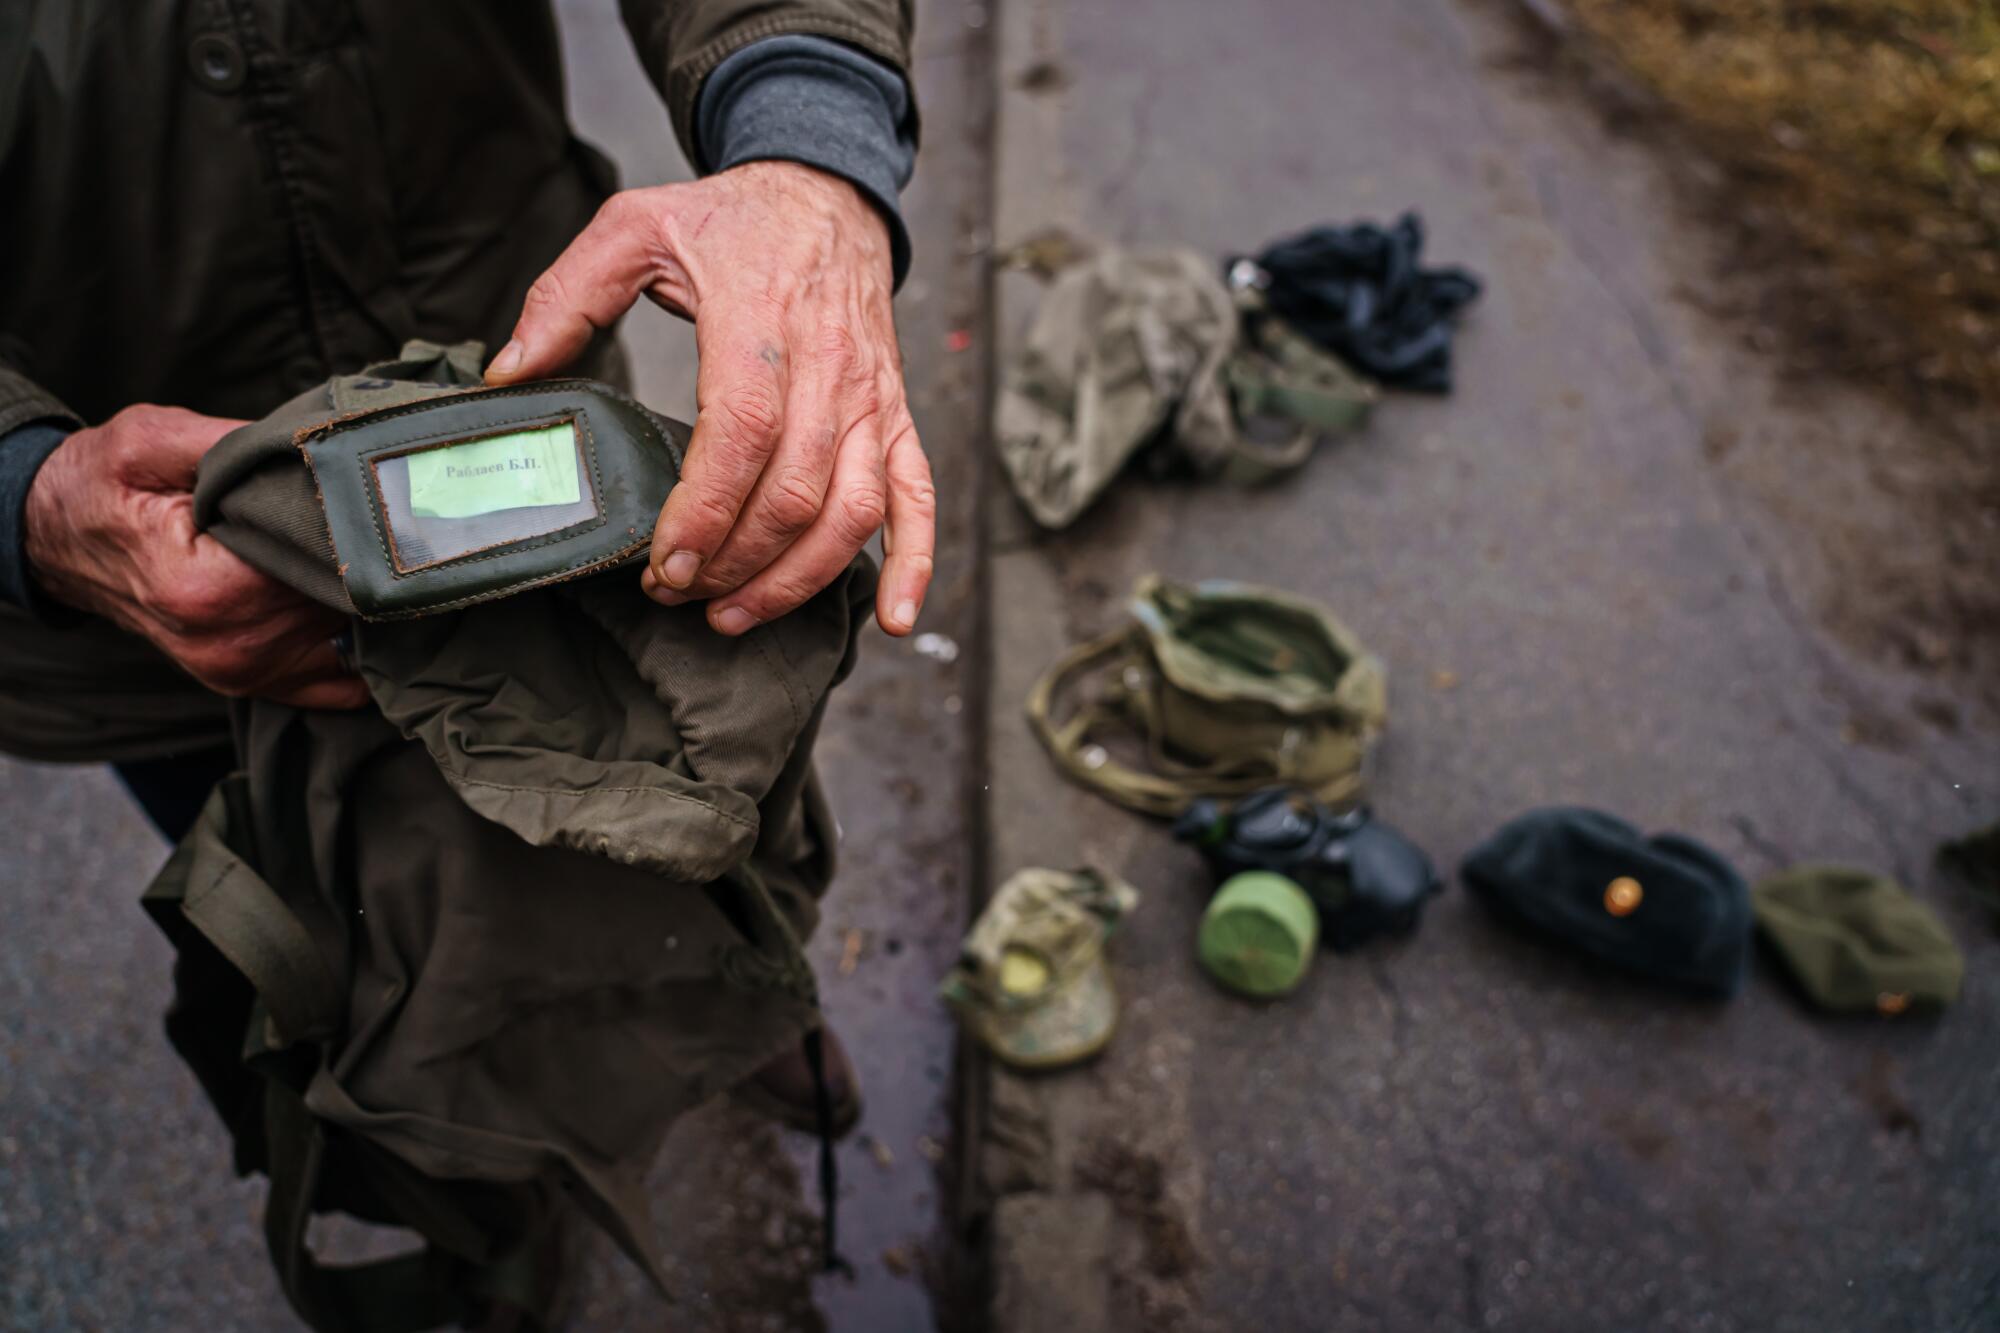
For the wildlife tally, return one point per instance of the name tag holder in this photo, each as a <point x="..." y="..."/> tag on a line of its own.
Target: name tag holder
<point x="466" y="496"/>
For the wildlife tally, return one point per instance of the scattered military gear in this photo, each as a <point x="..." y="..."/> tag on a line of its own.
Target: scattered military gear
<point x="1364" y="877"/>
<point x="1031" y="983"/>
<point x="1258" y="934"/>
<point x="1277" y="377"/>
<point x="1666" y="906"/>
<point x="1858" y="942"/>
<point x="1142" y="351"/>
<point x="1228" y="687"/>
<point x="1975" y="859"/>
<point x="457" y="961"/>
<point x="1358" y="292"/>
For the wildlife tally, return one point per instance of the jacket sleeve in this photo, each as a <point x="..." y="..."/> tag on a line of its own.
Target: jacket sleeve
<point x="820" y="103"/>
<point x="680" y="42"/>
<point x="33" y="422"/>
<point x="22" y="401"/>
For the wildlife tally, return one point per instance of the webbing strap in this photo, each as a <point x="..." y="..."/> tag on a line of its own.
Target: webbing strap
<point x="406" y="1293"/>
<point x="1134" y="710"/>
<point x="222" y="896"/>
<point x="1274" y="373"/>
<point x="250" y="925"/>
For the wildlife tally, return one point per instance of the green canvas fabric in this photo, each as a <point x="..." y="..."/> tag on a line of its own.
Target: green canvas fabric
<point x="1228" y="687"/>
<point x="1664" y="906"/>
<point x="1858" y="942"/>
<point x="1134" y="347"/>
<point x="1258" y="934"/>
<point x="554" y="884"/>
<point x="1031" y="984"/>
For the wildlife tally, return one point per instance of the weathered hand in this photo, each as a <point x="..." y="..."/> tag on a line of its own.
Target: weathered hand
<point x="803" y="446"/>
<point x="110" y="529"/>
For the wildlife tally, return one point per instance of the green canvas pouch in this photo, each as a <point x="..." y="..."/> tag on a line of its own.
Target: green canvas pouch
<point x="1227" y="687"/>
<point x="476" y="494"/>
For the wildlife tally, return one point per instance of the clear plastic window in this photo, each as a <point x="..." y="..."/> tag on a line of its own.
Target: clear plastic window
<point x="450" y="500"/>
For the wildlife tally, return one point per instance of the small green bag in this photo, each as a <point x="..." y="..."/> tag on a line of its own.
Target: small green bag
<point x="1229" y="687"/>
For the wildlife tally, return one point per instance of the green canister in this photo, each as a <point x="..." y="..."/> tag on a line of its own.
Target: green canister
<point x="1258" y="934"/>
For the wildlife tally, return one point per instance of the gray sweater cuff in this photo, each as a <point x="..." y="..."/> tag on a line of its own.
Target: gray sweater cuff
<point x="819" y="102"/>
<point x="22" y="452"/>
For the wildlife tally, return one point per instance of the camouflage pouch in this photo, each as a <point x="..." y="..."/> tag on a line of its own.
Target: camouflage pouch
<point x="1227" y="687"/>
<point x="1146" y="351"/>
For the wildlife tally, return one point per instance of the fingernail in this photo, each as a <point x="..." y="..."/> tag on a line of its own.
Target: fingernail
<point x="680" y="569"/>
<point x="734" y="620"/>
<point x="508" y="360"/>
<point x="905" y="613"/>
<point x="665" y="596"/>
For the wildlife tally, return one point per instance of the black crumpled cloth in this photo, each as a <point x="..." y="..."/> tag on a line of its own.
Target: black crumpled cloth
<point x="1358" y="292"/>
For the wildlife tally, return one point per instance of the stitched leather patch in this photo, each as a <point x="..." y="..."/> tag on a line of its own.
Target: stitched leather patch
<point x="464" y="497"/>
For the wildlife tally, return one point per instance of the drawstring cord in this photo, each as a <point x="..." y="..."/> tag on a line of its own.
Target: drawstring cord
<point x="829" y="1171"/>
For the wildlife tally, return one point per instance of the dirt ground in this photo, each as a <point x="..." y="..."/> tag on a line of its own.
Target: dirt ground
<point x="1843" y="162"/>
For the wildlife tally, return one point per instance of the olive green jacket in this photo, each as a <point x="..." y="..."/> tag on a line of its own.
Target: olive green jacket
<point x="504" y="926"/>
<point x="219" y="203"/>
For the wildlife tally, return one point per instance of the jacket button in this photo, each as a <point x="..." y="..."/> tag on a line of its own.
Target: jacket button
<point x="217" y="62"/>
<point x="1622" y="896"/>
<point x="1892" y="1002"/>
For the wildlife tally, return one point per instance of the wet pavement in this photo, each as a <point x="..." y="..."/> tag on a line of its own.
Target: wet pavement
<point x="1581" y="596"/>
<point x="117" y="1210"/>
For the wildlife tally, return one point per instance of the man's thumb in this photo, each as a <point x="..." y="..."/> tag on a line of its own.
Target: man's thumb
<point x="505" y="365"/>
<point x="180" y="439"/>
<point x="589" y="287"/>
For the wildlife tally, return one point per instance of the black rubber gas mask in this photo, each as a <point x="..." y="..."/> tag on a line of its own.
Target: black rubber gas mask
<point x="1365" y="878"/>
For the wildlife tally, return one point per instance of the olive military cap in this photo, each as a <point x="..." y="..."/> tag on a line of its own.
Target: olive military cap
<point x="1031" y="982"/>
<point x="1665" y="906"/>
<point x="1856" y="941"/>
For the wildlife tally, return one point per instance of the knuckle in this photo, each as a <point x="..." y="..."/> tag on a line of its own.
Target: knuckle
<point x="860" y="514"/>
<point x="140" y="429"/>
<point x="920" y="495"/>
<point x="709" y="512"/>
<point x="547" y="292"/>
<point x="786" y="592"/>
<point x="792" y="502"/>
<point x="780" y="287"/>
<point x="618" y="210"/>
<point x="194" y="606"/>
<point x="747" y="420"/>
<point x="835" y="345"/>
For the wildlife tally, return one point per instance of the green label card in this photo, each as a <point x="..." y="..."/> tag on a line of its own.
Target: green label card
<point x="516" y="471"/>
